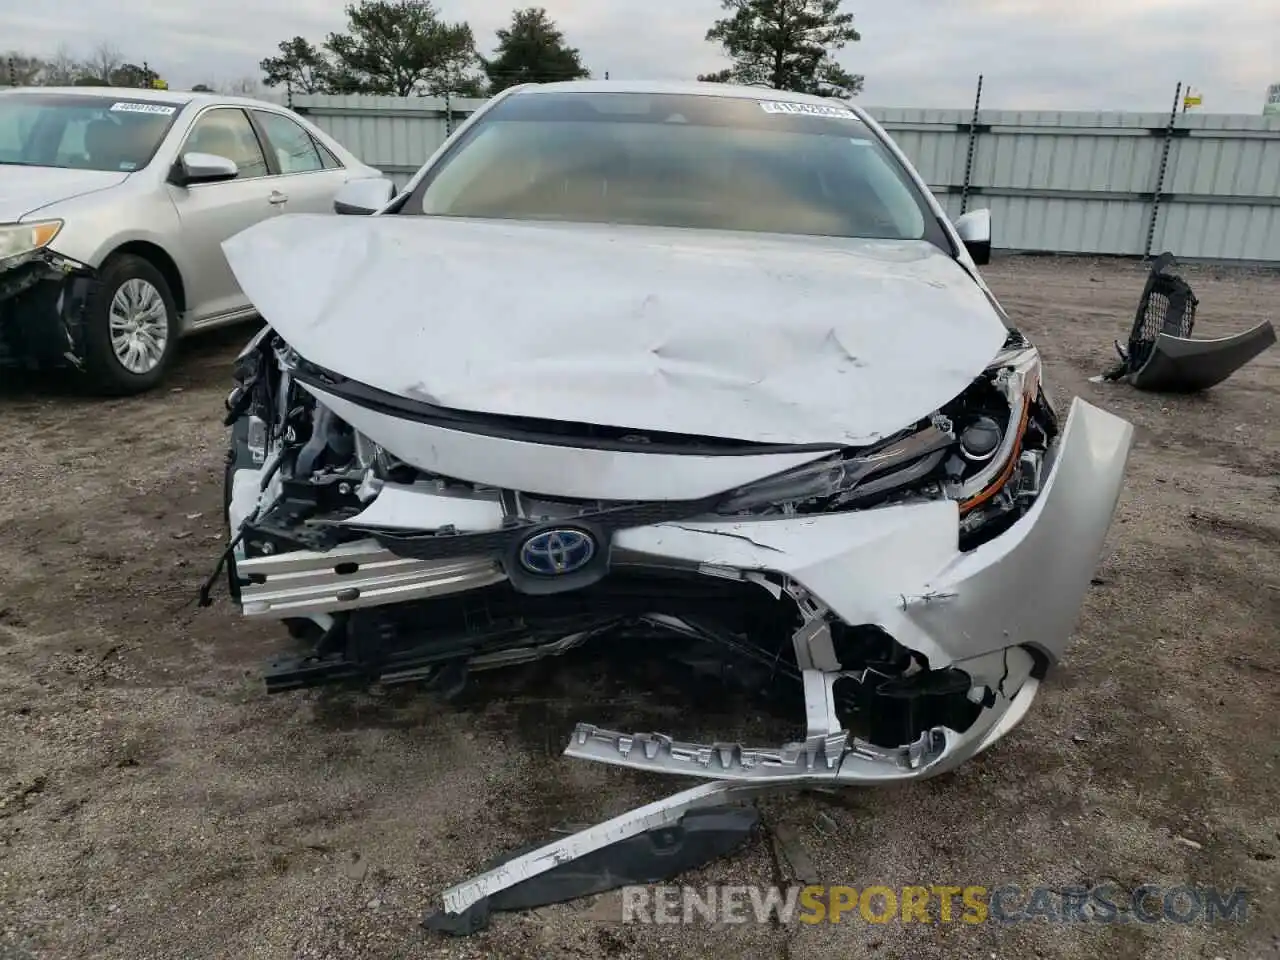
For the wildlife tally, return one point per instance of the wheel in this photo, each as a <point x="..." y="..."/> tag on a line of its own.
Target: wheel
<point x="131" y="327"/>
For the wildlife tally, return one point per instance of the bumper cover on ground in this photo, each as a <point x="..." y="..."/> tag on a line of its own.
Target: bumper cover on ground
<point x="1183" y="365"/>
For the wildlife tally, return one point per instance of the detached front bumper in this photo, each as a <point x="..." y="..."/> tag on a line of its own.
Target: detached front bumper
<point x="997" y="615"/>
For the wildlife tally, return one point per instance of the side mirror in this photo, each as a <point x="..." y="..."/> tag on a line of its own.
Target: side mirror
<point x="975" y="230"/>
<point x="194" y="168"/>
<point x="360" y="198"/>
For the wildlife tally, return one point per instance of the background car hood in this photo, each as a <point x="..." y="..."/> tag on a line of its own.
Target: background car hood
<point x="752" y="337"/>
<point x="24" y="190"/>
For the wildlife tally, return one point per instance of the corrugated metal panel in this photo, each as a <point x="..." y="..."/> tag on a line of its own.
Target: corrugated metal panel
<point x="1084" y="182"/>
<point x="1054" y="161"/>
<point x="932" y="139"/>
<point x="1225" y="181"/>
<point x="394" y="134"/>
<point x="1034" y="171"/>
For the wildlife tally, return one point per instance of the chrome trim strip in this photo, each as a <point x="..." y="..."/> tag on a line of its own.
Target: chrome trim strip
<point x="304" y="582"/>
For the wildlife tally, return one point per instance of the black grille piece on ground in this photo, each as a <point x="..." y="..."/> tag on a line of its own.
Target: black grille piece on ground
<point x="1162" y="356"/>
<point x="1167" y="306"/>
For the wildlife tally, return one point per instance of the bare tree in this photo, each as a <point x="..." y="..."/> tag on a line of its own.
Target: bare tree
<point x="62" y="69"/>
<point x="244" y="87"/>
<point x="104" y="62"/>
<point x="17" y="69"/>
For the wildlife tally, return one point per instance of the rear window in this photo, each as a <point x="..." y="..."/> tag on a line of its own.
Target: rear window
<point x="681" y="161"/>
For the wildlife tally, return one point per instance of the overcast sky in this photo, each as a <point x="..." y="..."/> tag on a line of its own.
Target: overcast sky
<point x="1035" y="54"/>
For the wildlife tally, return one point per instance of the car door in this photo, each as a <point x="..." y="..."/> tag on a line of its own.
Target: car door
<point x="309" y="175"/>
<point x="210" y="213"/>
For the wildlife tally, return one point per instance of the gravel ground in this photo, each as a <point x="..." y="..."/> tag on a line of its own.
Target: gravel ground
<point x="154" y="802"/>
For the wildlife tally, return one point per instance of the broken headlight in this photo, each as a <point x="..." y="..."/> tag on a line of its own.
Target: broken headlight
<point x="991" y="419"/>
<point x="1003" y="428"/>
<point x="838" y="481"/>
<point x="19" y="240"/>
<point x="984" y="450"/>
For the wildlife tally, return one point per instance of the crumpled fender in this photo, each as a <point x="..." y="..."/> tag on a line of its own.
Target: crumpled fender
<point x="42" y="306"/>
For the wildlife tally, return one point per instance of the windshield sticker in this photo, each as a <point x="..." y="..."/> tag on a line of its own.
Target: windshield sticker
<point x="807" y="109"/>
<point x="162" y="109"/>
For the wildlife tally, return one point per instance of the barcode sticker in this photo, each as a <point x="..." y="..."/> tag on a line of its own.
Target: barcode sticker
<point x="807" y="109"/>
<point x="163" y="109"/>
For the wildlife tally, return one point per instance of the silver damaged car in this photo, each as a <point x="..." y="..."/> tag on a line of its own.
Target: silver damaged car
<point x="114" y="204"/>
<point x="694" y="363"/>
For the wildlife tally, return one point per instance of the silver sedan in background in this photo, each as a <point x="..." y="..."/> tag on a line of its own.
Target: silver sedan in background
<point x="113" y="207"/>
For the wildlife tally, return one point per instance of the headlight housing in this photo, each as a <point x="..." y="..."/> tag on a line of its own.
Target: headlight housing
<point x="19" y="241"/>
<point x="1014" y="377"/>
<point x="843" y="481"/>
<point x="983" y="449"/>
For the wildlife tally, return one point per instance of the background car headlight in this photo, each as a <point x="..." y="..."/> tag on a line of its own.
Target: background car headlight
<point x="18" y="240"/>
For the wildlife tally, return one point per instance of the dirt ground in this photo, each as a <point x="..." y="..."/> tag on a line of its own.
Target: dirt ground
<point x="154" y="802"/>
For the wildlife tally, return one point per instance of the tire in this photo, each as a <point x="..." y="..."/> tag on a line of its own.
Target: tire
<point x="126" y="284"/>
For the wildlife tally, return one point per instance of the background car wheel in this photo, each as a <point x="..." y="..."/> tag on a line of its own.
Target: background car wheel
<point x="131" y="327"/>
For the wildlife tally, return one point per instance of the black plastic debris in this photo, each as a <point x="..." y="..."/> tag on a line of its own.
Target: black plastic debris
<point x="699" y="837"/>
<point x="1189" y="366"/>
<point x="1162" y="357"/>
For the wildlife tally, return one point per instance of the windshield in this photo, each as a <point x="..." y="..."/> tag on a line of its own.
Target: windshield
<point x="82" y="132"/>
<point x="709" y="162"/>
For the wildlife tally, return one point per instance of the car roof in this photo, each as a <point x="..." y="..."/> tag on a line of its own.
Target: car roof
<point x="688" y="88"/>
<point x="141" y="95"/>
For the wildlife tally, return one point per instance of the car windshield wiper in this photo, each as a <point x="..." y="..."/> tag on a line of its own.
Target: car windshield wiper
<point x="33" y="163"/>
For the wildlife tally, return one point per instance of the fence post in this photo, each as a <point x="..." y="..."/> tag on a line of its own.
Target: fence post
<point x="973" y="139"/>
<point x="13" y="73"/>
<point x="1164" y="164"/>
<point x="448" y="114"/>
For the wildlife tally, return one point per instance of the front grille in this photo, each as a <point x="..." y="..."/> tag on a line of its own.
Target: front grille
<point x="1167" y="306"/>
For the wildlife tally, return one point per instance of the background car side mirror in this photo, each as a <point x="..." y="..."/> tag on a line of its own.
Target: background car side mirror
<point x="360" y="198"/>
<point x="191" y="168"/>
<point x="975" y="230"/>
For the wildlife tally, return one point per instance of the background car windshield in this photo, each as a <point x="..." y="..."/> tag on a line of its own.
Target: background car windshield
<point x="676" y="160"/>
<point x="81" y="132"/>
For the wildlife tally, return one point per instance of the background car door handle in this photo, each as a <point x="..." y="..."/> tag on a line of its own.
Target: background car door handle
<point x="277" y="197"/>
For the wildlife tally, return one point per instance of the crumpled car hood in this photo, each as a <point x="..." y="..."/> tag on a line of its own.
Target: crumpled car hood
<point x="759" y="338"/>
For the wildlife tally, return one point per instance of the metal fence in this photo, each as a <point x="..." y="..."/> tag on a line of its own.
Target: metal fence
<point x="1062" y="182"/>
<point x="394" y="134"/>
